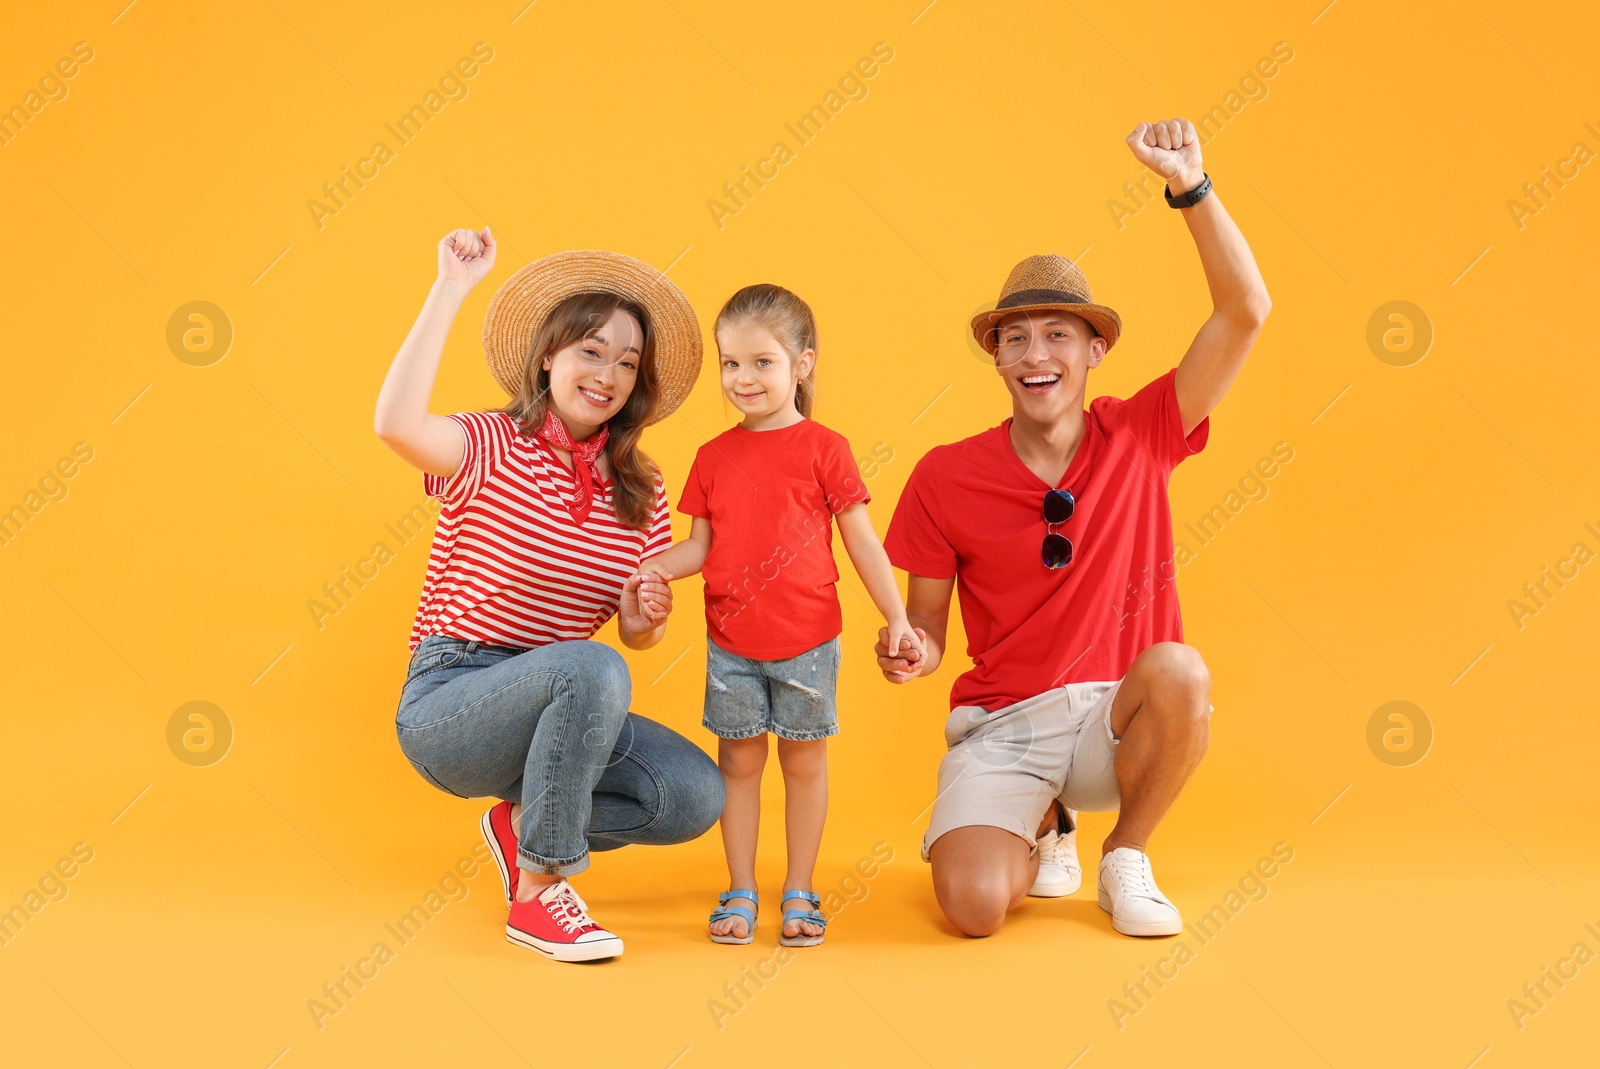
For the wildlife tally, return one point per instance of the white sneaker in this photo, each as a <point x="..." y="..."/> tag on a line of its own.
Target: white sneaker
<point x="1059" y="871"/>
<point x="1128" y="892"/>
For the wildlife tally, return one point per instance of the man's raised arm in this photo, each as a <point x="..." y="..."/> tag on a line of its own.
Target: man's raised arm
<point x="1239" y="301"/>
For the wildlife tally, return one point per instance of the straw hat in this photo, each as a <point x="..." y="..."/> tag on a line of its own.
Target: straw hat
<point x="1042" y="282"/>
<point x="523" y="300"/>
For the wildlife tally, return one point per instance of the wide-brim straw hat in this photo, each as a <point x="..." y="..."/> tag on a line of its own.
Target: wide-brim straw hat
<point x="523" y="301"/>
<point x="1044" y="282"/>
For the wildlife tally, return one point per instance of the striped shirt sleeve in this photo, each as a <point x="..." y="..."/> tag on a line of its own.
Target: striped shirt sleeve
<point x="659" y="539"/>
<point x="485" y="437"/>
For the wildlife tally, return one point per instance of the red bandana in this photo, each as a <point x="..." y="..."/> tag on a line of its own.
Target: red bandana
<point x="583" y="455"/>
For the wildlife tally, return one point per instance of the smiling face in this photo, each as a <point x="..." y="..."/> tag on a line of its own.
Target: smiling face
<point x="1044" y="357"/>
<point x="591" y="379"/>
<point x="758" y="375"/>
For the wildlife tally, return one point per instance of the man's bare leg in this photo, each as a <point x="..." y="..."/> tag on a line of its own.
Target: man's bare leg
<point x="1161" y="715"/>
<point x="979" y="874"/>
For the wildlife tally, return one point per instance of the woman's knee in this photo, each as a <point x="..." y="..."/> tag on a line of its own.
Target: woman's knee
<point x="695" y="801"/>
<point x="601" y="673"/>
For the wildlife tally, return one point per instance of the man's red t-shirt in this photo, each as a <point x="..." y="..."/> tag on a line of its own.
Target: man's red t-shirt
<point x="974" y="511"/>
<point x="771" y="497"/>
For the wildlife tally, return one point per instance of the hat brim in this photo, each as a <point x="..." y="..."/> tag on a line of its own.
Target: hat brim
<point x="1103" y="319"/>
<point x="523" y="301"/>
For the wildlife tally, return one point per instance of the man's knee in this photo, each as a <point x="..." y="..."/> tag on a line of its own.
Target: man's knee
<point x="974" y="903"/>
<point x="1178" y="680"/>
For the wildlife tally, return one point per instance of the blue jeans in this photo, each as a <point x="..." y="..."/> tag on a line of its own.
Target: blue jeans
<point x="550" y="727"/>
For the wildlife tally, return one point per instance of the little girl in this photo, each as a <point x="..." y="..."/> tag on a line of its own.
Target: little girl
<point x="764" y="496"/>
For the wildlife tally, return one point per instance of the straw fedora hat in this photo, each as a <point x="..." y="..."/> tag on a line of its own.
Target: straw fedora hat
<point x="1042" y="282"/>
<point x="524" y="300"/>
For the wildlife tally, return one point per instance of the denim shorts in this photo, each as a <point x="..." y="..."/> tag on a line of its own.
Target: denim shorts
<point x="793" y="698"/>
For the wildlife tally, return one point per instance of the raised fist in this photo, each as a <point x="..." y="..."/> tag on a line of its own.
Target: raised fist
<point x="466" y="256"/>
<point x="1170" y="149"/>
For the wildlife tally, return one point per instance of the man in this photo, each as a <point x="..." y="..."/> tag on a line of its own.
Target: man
<point x="1057" y="529"/>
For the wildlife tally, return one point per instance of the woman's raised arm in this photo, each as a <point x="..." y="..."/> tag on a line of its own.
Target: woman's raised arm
<point x="402" y="420"/>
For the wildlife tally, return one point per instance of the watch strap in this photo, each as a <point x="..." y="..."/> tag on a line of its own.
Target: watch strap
<point x="1191" y="198"/>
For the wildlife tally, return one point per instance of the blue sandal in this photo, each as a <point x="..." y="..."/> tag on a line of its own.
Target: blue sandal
<point x="724" y="911"/>
<point x="812" y="915"/>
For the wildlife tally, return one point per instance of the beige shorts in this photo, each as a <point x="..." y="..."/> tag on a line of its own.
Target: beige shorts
<point x="1003" y="768"/>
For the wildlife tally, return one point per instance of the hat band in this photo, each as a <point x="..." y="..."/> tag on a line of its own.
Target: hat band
<point x="1027" y="297"/>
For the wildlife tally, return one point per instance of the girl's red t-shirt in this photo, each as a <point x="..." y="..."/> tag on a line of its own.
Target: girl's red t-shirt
<point x="974" y="511"/>
<point x="771" y="497"/>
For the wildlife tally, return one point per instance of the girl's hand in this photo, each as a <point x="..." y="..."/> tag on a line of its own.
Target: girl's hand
<point x="900" y="651"/>
<point x="655" y="596"/>
<point x="465" y="256"/>
<point x="646" y="603"/>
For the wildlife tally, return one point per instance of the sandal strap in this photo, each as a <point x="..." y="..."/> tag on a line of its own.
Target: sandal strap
<point x="810" y="916"/>
<point x="724" y="912"/>
<point x="813" y="915"/>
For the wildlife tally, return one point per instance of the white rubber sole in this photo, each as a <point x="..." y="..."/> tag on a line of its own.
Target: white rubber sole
<point x="734" y="940"/>
<point x="1060" y="890"/>
<point x="1140" y="928"/>
<point x="487" y="828"/>
<point x="594" y="950"/>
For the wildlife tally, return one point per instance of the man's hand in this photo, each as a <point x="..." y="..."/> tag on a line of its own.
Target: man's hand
<point x="1170" y="149"/>
<point x="903" y="663"/>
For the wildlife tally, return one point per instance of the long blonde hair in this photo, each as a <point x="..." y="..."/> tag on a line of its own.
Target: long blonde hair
<point x="633" y="474"/>
<point x="787" y="318"/>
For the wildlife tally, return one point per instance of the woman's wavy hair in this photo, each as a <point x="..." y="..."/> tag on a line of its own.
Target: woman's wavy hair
<point x="633" y="474"/>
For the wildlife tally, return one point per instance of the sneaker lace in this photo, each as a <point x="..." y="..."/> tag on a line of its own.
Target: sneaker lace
<point x="569" y="910"/>
<point x="1053" y="850"/>
<point x="1134" y="875"/>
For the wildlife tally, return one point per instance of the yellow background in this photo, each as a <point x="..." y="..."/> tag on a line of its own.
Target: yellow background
<point x="219" y="499"/>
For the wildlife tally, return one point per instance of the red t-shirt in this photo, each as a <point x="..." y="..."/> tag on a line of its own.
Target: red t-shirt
<point x="509" y="566"/>
<point x="974" y="511"/>
<point x="771" y="497"/>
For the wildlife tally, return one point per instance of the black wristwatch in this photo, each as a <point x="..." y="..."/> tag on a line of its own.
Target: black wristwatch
<point x="1191" y="198"/>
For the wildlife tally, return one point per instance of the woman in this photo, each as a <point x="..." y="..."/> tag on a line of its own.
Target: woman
<point x="548" y="506"/>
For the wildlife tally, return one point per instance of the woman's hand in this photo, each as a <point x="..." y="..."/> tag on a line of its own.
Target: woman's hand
<point x="655" y="596"/>
<point x="465" y="256"/>
<point x="646" y="603"/>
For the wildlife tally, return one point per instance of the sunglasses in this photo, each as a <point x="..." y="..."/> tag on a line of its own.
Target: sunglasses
<point x="1058" y="508"/>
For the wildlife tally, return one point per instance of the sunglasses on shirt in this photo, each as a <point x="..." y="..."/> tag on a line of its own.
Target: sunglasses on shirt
<point x="1058" y="508"/>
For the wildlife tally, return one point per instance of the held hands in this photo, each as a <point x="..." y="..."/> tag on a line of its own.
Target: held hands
<point x="1171" y="149"/>
<point x="901" y="649"/>
<point x="465" y="256"/>
<point x="649" y="598"/>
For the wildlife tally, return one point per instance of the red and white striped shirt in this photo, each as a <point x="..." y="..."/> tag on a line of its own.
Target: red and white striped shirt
<point x="508" y="565"/>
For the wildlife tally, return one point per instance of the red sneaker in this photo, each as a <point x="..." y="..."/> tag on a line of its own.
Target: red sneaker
<point x="502" y="840"/>
<point x="557" y="925"/>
